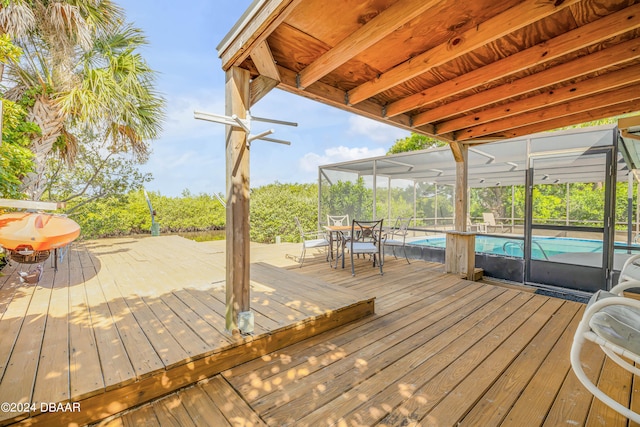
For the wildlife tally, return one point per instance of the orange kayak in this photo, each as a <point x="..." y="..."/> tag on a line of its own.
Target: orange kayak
<point x="37" y="231"/>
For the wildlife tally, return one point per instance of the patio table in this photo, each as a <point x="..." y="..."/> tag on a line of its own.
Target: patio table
<point x="337" y="235"/>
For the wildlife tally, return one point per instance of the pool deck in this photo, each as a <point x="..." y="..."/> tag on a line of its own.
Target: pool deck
<point x="439" y="351"/>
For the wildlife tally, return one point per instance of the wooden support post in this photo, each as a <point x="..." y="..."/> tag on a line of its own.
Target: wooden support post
<point x="461" y="156"/>
<point x="460" y="256"/>
<point x="460" y="251"/>
<point x="237" y="225"/>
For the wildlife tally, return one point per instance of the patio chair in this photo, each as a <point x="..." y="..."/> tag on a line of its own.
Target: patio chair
<point x="478" y="227"/>
<point x="490" y="221"/>
<point x="333" y="220"/>
<point x="339" y="220"/>
<point x="397" y="236"/>
<point x="314" y="239"/>
<point x="630" y="269"/>
<point x="366" y="238"/>
<point x="611" y="321"/>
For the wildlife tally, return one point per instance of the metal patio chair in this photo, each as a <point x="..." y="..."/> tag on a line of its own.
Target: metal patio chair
<point x="334" y="220"/>
<point x="366" y="238"/>
<point x="611" y="321"/>
<point x="338" y="221"/>
<point x="314" y="239"/>
<point x="396" y="237"/>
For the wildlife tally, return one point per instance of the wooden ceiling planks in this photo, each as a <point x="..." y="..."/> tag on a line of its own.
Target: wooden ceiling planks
<point x="367" y="35"/>
<point x="493" y="29"/>
<point x="528" y="60"/>
<point x="427" y="31"/>
<point x="474" y="73"/>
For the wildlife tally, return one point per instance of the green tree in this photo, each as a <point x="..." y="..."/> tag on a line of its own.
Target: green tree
<point x="415" y="142"/>
<point x="348" y="198"/>
<point x="97" y="172"/>
<point x="80" y="71"/>
<point x="274" y="206"/>
<point x="15" y="157"/>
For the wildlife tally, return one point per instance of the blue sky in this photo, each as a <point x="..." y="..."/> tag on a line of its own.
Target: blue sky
<point x="189" y="154"/>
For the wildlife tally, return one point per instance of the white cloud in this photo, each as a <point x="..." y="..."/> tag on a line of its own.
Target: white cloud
<point x="310" y="161"/>
<point x="376" y="131"/>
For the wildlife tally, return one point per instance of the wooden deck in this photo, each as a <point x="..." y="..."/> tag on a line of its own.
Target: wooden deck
<point x="124" y="321"/>
<point x="439" y="351"/>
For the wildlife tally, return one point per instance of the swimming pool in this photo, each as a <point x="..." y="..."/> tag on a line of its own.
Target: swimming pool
<point x="543" y="247"/>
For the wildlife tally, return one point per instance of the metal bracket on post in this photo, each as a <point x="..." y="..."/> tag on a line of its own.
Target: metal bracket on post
<point x="245" y="125"/>
<point x="246" y="322"/>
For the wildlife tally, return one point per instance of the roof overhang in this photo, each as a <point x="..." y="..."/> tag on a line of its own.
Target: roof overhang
<point x="484" y="72"/>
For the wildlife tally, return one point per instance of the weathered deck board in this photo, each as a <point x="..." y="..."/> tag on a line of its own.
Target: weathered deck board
<point x="52" y="376"/>
<point x="20" y="374"/>
<point x="82" y="343"/>
<point x="171" y="412"/>
<point x="115" y="366"/>
<point x="542" y="365"/>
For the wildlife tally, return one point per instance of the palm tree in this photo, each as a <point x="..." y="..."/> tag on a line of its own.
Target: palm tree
<point x="80" y="71"/>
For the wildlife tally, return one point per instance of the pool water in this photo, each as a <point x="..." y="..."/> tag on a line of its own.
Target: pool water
<point x="549" y="246"/>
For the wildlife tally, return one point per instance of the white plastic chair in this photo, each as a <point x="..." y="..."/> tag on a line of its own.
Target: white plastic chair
<point x="612" y="321"/>
<point x="311" y="240"/>
<point x="630" y="269"/>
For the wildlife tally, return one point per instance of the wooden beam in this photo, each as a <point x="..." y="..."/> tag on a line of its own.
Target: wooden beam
<point x="237" y="224"/>
<point x="602" y="59"/>
<point x="389" y="20"/>
<point x="32" y="204"/>
<point x="580" y="105"/>
<point x="271" y="14"/>
<point x="260" y="86"/>
<point x="629" y="127"/>
<point x="330" y="95"/>
<point x="606" y="82"/>
<point x="511" y="20"/>
<point x="629" y="122"/>
<point x="574" y="119"/>
<point x="587" y="35"/>
<point x="264" y="62"/>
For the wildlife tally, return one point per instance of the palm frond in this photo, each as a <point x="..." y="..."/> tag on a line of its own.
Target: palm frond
<point x="103" y="16"/>
<point x="67" y="21"/>
<point x="17" y="19"/>
<point x="67" y="146"/>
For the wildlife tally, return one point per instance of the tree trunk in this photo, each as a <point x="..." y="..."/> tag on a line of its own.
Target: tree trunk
<point x="46" y="114"/>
